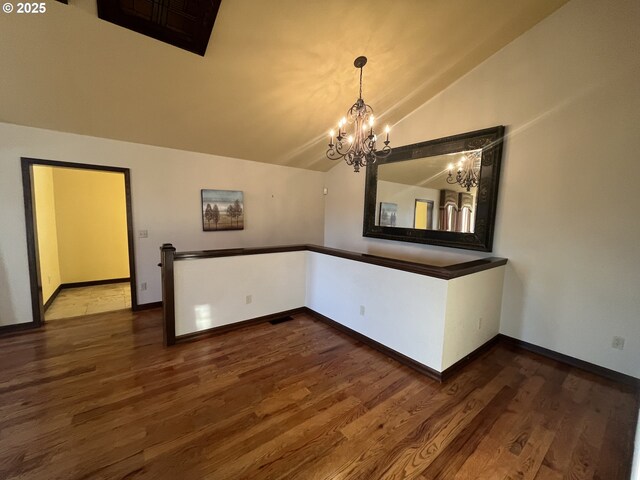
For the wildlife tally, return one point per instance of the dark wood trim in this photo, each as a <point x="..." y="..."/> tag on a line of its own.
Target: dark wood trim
<point x="447" y="272"/>
<point x="37" y="305"/>
<point x="32" y="240"/>
<point x="211" y="332"/>
<point x="148" y="306"/>
<point x="403" y="359"/>
<point x="167" y="252"/>
<point x="232" y="252"/>
<point x="92" y="283"/>
<point x="52" y="297"/>
<point x="491" y="141"/>
<point x="83" y="166"/>
<point x="130" y="240"/>
<point x="572" y="361"/>
<point x="447" y="373"/>
<point x="17" y="328"/>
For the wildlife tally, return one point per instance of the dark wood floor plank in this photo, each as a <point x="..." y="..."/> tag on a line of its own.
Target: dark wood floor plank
<point x="99" y="397"/>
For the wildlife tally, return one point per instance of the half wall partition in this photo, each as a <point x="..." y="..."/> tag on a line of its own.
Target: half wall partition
<point x="429" y="317"/>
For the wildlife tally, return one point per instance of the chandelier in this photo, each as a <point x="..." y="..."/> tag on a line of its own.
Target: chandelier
<point x="359" y="148"/>
<point x="467" y="171"/>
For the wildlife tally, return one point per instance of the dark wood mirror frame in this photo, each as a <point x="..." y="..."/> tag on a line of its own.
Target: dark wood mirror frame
<point x="490" y="140"/>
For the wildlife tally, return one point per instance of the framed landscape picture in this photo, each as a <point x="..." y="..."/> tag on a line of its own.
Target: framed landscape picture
<point x="387" y="215"/>
<point x="222" y="210"/>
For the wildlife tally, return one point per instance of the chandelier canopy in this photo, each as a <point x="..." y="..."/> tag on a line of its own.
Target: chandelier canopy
<point x="467" y="171"/>
<point x="358" y="148"/>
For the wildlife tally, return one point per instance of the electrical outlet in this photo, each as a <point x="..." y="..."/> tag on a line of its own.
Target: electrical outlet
<point x="248" y="299"/>
<point x="362" y="310"/>
<point x="618" y="343"/>
<point x="480" y="323"/>
<point x="143" y="233"/>
<point x="143" y="286"/>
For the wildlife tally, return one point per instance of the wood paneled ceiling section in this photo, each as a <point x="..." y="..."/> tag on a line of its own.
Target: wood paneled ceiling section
<point x="185" y="24"/>
<point x="275" y="77"/>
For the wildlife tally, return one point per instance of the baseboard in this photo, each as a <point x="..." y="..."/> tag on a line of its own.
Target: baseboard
<point x="52" y="297"/>
<point x="18" y="328"/>
<point x="92" y="283"/>
<point x="453" y="369"/>
<point x="210" y="332"/>
<point x="146" y="306"/>
<point x="572" y="361"/>
<point x="399" y="357"/>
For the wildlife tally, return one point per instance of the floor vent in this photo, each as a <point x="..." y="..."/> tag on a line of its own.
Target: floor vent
<point x="280" y="320"/>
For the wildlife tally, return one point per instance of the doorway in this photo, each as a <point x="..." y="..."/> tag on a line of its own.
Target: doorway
<point x="95" y="263"/>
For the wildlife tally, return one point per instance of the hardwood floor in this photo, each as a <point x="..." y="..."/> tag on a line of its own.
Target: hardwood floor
<point x="98" y="397"/>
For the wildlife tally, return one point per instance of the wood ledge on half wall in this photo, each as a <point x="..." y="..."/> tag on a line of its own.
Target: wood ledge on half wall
<point x="447" y="272"/>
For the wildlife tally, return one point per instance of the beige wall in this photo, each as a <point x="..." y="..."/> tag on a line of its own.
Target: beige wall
<point x="91" y="217"/>
<point x="45" y="212"/>
<point x="568" y="93"/>
<point x="283" y="205"/>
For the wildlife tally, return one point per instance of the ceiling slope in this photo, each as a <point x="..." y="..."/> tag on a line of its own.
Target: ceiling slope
<point x="276" y="75"/>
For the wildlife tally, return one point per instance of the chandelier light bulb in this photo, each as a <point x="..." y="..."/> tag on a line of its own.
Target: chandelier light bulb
<point x="371" y="120"/>
<point x="387" y="129"/>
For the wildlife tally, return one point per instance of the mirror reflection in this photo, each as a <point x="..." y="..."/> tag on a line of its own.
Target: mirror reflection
<point x="430" y="193"/>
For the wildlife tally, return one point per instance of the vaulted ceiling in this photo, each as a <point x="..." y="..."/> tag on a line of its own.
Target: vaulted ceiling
<point x="275" y="77"/>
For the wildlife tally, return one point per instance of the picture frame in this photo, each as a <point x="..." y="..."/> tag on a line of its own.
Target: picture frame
<point x="387" y="214"/>
<point x="222" y="210"/>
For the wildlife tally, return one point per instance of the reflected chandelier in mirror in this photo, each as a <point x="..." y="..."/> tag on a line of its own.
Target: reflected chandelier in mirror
<point x="440" y="192"/>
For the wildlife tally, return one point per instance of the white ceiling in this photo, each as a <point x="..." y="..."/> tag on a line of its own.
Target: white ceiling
<point x="276" y="76"/>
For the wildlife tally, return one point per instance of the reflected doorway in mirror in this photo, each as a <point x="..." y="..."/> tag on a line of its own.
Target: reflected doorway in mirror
<point x="423" y="214"/>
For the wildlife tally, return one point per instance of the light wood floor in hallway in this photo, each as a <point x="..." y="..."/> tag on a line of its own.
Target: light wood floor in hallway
<point x="98" y="397"/>
<point x="79" y="301"/>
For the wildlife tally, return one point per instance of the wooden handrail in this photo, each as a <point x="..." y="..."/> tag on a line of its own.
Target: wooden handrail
<point x="444" y="272"/>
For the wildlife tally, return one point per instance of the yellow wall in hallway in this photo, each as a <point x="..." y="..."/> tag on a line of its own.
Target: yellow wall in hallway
<point x="43" y="191"/>
<point x="92" y="225"/>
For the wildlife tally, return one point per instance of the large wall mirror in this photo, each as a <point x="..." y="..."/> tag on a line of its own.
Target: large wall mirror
<point x="441" y="192"/>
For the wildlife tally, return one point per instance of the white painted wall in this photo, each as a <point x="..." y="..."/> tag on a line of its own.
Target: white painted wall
<point x="472" y="313"/>
<point x="403" y="310"/>
<point x="211" y="292"/>
<point x="283" y="205"/>
<point x="568" y="93"/>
